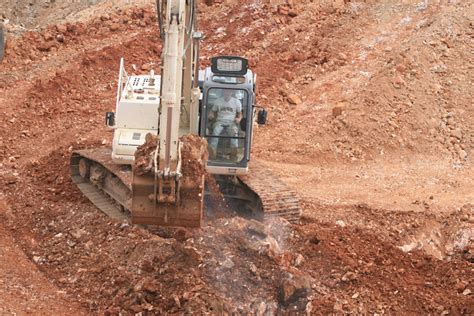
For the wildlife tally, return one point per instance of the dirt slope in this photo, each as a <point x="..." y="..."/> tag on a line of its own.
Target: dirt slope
<point x="388" y="224"/>
<point x="23" y="288"/>
<point x="397" y="75"/>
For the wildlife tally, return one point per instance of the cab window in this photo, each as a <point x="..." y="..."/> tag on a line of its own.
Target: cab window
<point x="226" y="124"/>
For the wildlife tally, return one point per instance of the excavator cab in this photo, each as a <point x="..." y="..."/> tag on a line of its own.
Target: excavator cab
<point x="227" y="112"/>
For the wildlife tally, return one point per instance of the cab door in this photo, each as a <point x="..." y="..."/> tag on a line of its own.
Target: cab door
<point x="226" y="119"/>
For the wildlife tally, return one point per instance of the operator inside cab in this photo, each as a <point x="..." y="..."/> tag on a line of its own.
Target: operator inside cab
<point x="227" y="113"/>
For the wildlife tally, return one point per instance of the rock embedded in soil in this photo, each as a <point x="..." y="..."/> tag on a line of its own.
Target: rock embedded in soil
<point x="61" y="28"/>
<point x="456" y="133"/>
<point x="294" y="99"/>
<point x="46" y="46"/>
<point x="257" y="228"/>
<point x="150" y="285"/>
<point x="10" y="179"/>
<point x="114" y="27"/>
<point x="294" y="289"/>
<point x="60" y="38"/>
<point x="349" y="276"/>
<point x="292" y="13"/>
<point x="284" y="10"/>
<point x="336" y="111"/>
<point x="299" y="260"/>
<point x="48" y="36"/>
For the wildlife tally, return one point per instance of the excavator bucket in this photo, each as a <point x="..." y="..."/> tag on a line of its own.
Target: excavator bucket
<point x="186" y="211"/>
<point x="172" y="202"/>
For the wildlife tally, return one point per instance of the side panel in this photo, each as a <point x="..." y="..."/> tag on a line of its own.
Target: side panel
<point x="135" y="115"/>
<point x="125" y="144"/>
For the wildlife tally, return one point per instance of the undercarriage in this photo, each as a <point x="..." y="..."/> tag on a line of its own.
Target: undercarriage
<point x="108" y="186"/>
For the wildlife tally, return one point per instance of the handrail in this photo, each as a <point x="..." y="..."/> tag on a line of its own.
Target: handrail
<point x="119" y="88"/>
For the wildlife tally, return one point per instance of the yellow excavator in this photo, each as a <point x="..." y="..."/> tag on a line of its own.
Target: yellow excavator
<point x="164" y="124"/>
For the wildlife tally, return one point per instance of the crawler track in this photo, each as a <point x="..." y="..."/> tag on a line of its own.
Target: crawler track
<point x="112" y="196"/>
<point x="267" y="194"/>
<point x="275" y="198"/>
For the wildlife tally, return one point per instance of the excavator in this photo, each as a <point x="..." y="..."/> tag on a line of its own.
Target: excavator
<point x="214" y="107"/>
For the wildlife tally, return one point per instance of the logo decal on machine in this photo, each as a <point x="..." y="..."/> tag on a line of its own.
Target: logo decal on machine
<point x="136" y="136"/>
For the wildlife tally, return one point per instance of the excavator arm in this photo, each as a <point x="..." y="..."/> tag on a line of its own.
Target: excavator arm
<point x="158" y="197"/>
<point x="179" y="101"/>
<point x="174" y="31"/>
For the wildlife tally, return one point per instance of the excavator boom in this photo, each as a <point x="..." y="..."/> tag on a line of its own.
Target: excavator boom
<point x="159" y="196"/>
